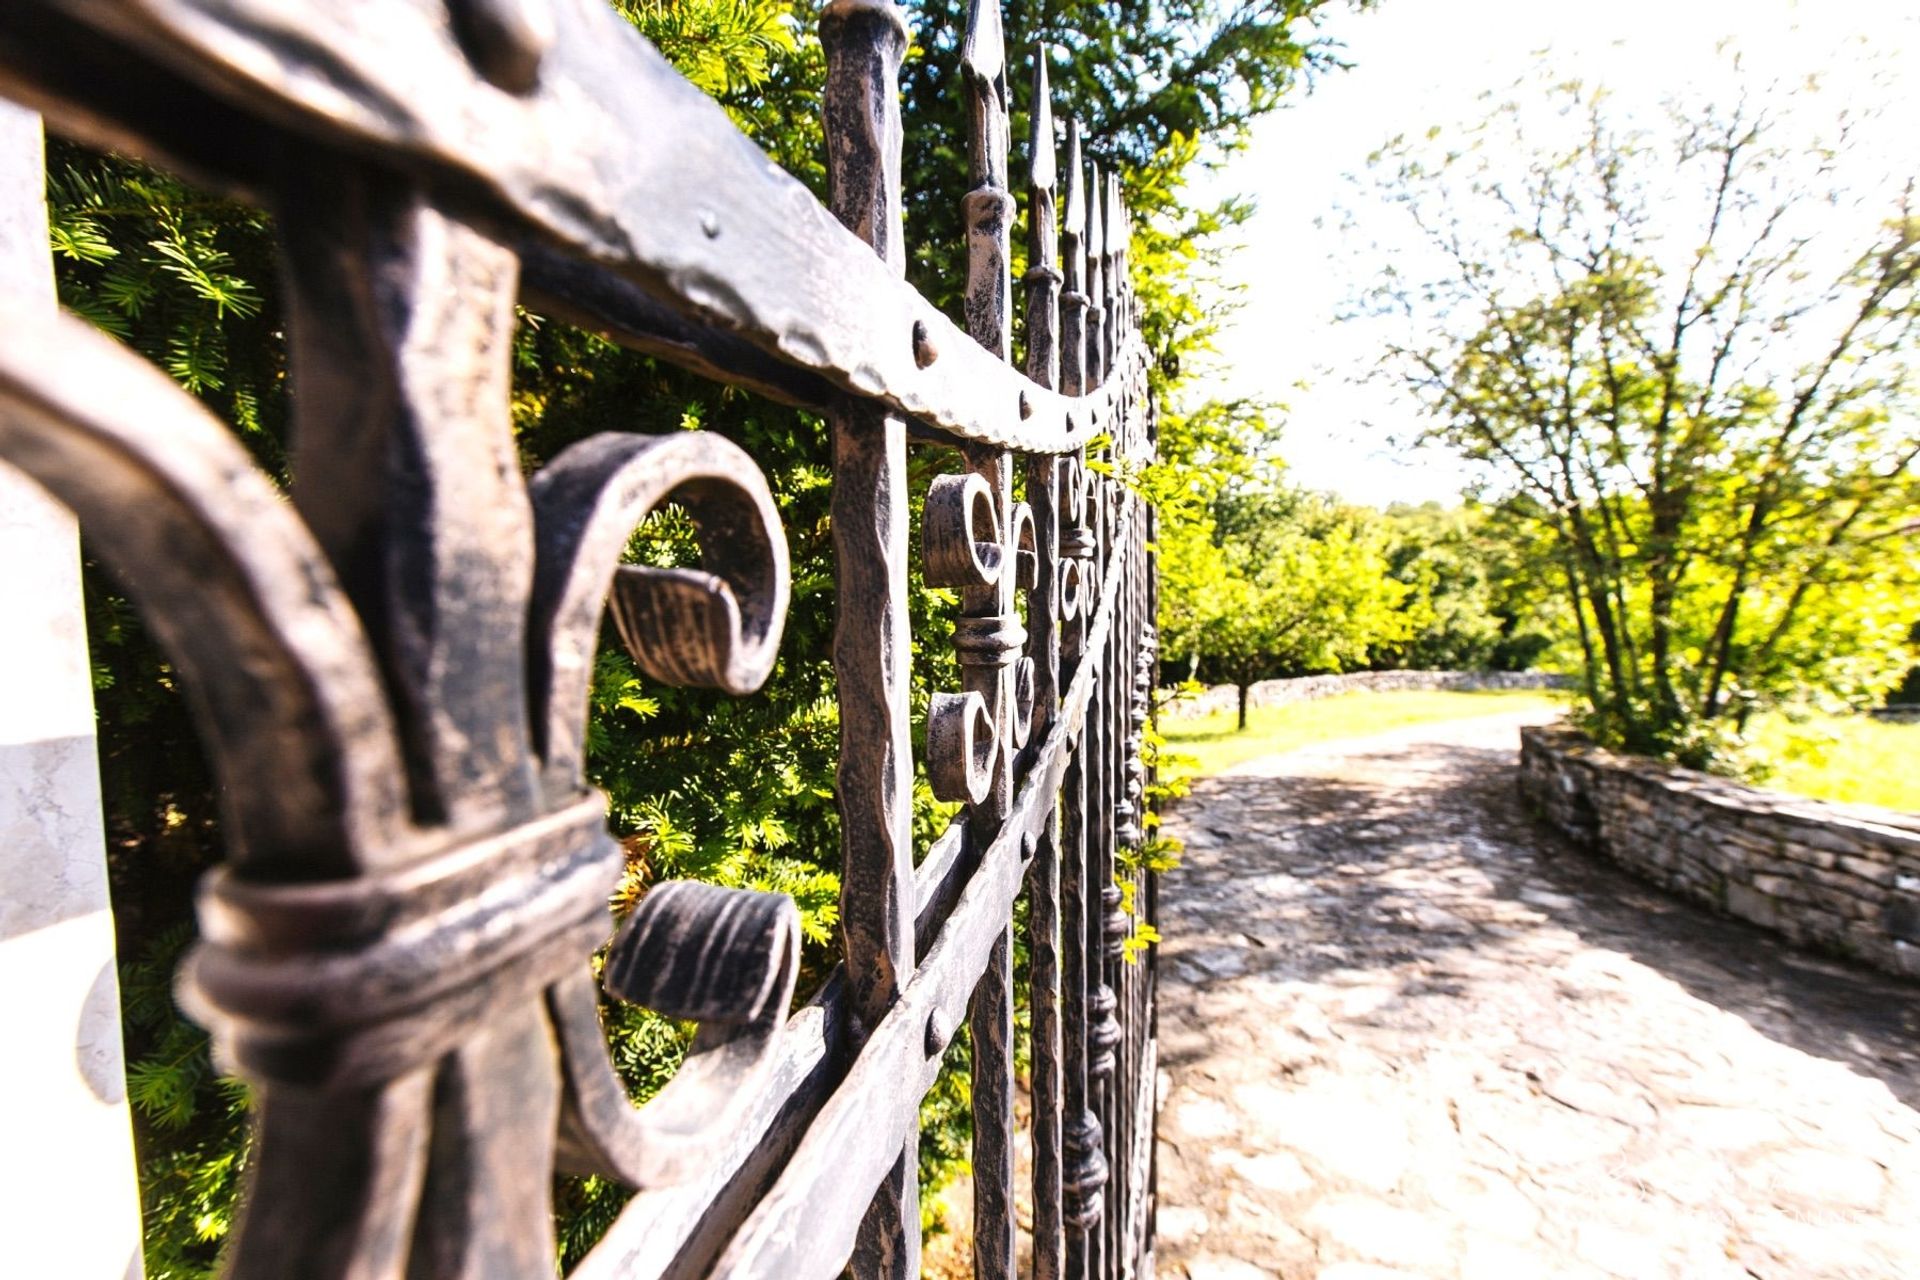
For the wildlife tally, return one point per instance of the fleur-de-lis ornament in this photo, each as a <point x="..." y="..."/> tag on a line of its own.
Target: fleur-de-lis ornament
<point x="391" y="672"/>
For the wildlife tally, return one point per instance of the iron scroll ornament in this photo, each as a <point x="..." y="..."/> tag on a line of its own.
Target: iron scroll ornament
<point x="419" y="987"/>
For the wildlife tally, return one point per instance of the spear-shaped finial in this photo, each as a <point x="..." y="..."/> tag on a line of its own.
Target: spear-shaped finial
<point x="1096" y="230"/>
<point x="1073" y="271"/>
<point x="1116" y="229"/>
<point x="1043" y="246"/>
<point x="984" y="51"/>
<point x="1073" y="217"/>
<point x="988" y="207"/>
<point x="983" y="61"/>
<point x="1041" y="173"/>
<point x="1115" y="219"/>
<point x="1096" y="278"/>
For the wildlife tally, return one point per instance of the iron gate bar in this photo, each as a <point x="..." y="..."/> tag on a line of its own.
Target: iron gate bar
<point x="803" y="1227"/>
<point x="1047" y="618"/>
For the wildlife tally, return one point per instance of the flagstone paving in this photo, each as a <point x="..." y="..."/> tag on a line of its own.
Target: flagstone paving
<point x="1407" y="1033"/>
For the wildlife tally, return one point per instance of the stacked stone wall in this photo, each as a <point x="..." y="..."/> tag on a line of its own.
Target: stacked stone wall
<point x="1841" y="878"/>
<point x="1275" y="693"/>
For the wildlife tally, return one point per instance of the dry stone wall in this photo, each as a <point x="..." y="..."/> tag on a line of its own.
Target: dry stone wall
<point x="1275" y="693"/>
<point x="1842" y="878"/>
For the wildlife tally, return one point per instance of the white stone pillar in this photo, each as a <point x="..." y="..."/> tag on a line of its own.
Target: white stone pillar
<point x="68" y="1192"/>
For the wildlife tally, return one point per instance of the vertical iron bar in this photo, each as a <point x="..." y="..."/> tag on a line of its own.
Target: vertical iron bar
<point x="400" y="324"/>
<point x="1102" y="1006"/>
<point x="1099" y="812"/>
<point x="1131" y="807"/>
<point x="864" y="41"/>
<point x="1151" y="1019"/>
<point x="1085" y="1171"/>
<point x="1124" y="829"/>
<point x="1113" y="707"/>
<point x="988" y="304"/>
<point x="1043" y="491"/>
<point x="1096" y="364"/>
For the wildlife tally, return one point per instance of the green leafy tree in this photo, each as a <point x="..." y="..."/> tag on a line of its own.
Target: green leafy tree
<point x="1279" y="582"/>
<point x="1690" y="363"/>
<point x="1472" y="602"/>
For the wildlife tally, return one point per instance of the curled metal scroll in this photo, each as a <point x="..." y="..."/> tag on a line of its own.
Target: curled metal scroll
<point x="724" y="958"/>
<point x="1072" y="586"/>
<point x="961" y="746"/>
<point x="1025" y="542"/>
<point x="961" y="533"/>
<point x="247" y="606"/>
<point x="718" y="626"/>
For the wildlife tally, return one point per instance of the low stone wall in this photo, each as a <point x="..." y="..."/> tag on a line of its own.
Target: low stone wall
<point x="1844" y="878"/>
<point x="1274" y="693"/>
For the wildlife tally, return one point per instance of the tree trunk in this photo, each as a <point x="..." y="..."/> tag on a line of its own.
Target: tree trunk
<point x="1244" y="689"/>
<point x="1668" y="511"/>
<point x="1590" y="664"/>
<point x="1594" y="570"/>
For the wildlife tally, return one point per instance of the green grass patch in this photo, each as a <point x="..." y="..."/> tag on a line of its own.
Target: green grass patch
<point x="1212" y="744"/>
<point x="1851" y="759"/>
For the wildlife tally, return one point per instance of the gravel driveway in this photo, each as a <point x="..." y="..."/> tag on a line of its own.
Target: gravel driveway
<point x="1406" y="1033"/>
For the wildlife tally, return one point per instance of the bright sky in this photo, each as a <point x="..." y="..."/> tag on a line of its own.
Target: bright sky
<point x="1419" y="63"/>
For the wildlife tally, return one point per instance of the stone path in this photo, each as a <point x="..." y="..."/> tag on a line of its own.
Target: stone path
<point x="1406" y="1034"/>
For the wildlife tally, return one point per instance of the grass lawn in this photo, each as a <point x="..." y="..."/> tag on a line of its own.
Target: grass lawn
<point x="1216" y="745"/>
<point x="1852" y="759"/>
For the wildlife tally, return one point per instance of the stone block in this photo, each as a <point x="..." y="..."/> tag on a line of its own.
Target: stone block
<point x="1822" y="926"/>
<point x="1724" y="857"/>
<point x="1906" y="959"/>
<point x="1874" y="871"/>
<point x="1799" y="851"/>
<point x="1748" y="903"/>
<point x="1847" y="883"/>
<point x="1836" y="837"/>
<point x="1839" y="903"/>
<point x="1900" y="917"/>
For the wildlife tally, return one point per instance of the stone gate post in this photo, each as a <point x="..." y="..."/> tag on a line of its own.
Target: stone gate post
<point x="67" y="1185"/>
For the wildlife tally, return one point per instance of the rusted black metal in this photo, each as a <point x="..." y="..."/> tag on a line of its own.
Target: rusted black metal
<point x="391" y="670"/>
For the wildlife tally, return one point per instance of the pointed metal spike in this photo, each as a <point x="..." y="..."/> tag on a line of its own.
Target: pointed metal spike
<point x="984" y="53"/>
<point x="1040" y="159"/>
<point x="984" y="69"/>
<point x="1073" y="219"/>
<point x="1113" y="221"/>
<point x="889" y="11"/>
<point x="1096" y="231"/>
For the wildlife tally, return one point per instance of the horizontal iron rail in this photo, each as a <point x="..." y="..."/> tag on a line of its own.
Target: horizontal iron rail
<point x="748" y="248"/>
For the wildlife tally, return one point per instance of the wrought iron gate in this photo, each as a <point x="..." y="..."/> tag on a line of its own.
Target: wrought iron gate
<point x="391" y="669"/>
